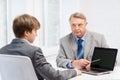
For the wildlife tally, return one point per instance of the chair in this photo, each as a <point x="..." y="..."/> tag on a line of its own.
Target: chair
<point x="14" y="67"/>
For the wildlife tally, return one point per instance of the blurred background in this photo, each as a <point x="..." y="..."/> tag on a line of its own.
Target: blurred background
<point x="102" y="15"/>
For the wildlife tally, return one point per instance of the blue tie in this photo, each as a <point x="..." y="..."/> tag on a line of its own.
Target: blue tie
<point x="80" y="47"/>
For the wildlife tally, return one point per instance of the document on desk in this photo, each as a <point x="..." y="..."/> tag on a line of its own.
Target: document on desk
<point x="114" y="75"/>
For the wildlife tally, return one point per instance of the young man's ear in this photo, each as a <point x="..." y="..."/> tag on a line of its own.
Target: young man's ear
<point x="26" y="33"/>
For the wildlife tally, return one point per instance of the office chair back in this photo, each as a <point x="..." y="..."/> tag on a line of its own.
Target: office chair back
<point x="14" y="67"/>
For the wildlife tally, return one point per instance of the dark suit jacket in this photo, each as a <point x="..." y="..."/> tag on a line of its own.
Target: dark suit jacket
<point x="43" y="69"/>
<point x="68" y="47"/>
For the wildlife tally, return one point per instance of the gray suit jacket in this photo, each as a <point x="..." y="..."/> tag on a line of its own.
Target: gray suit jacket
<point x="43" y="69"/>
<point x="68" y="47"/>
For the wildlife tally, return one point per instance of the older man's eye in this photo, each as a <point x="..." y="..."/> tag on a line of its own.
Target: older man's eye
<point x="80" y="24"/>
<point x="73" y="25"/>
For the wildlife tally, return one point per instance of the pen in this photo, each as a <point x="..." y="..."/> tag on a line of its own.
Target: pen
<point x="96" y="60"/>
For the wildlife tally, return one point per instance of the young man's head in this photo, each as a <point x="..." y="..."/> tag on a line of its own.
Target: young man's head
<point x="78" y="24"/>
<point x="26" y="26"/>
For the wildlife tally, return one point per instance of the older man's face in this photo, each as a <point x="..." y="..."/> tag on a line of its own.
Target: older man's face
<point x="78" y="26"/>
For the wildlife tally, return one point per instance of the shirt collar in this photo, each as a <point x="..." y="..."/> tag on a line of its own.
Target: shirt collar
<point x="76" y="38"/>
<point x="24" y="40"/>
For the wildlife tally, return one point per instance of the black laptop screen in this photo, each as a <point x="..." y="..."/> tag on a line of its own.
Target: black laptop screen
<point x="103" y="59"/>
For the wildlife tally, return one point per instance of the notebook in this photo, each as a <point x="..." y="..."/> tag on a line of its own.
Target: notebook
<point x="103" y="61"/>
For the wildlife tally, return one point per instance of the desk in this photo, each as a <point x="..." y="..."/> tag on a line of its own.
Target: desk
<point x="114" y="75"/>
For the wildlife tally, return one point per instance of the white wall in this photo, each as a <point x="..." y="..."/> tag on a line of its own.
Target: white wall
<point x="103" y="17"/>
<point x="18" y="7"/>
<point x="67" y="7"/>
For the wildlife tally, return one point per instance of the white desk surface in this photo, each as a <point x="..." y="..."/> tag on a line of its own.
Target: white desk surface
<point x="114" y="75"/>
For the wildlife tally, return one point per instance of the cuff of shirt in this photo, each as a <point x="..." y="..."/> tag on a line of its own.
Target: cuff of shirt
<point x="69" y="65"/>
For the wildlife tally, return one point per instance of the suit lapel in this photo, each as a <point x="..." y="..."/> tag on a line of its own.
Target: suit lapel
<point x="73" y="46"/>
<point x="88" y="44"/>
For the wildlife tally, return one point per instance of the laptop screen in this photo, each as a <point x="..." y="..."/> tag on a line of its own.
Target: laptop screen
<point x="103" y="59"/>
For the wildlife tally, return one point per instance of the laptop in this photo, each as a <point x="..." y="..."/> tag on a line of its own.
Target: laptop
<point x="103" y="61"/>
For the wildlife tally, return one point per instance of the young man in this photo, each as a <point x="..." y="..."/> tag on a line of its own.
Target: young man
<point x="76" y="48"/>
<point x="25" y="29"/>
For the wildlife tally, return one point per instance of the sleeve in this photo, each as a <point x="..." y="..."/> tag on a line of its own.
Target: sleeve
<point x="61" y="59"/>
<point x="46" y="70"/>
<point x="103" y="42"/>
<point x="69" y="65"/>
